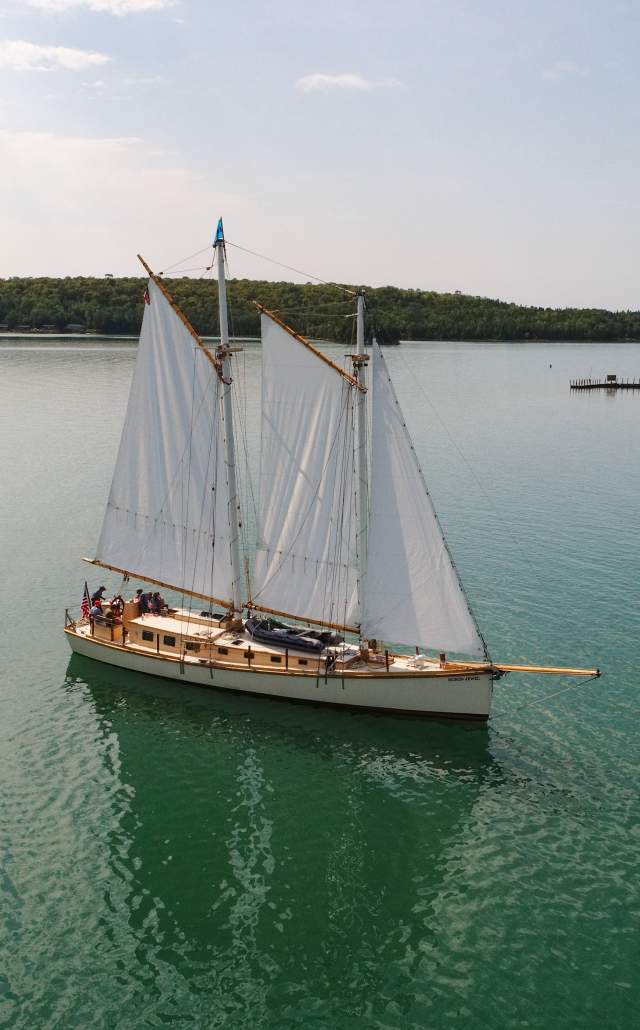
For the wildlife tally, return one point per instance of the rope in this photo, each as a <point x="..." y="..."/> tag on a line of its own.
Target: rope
<point x="290" y="268"/>
<point x="548" y="697"/>
<point x="193" y="268"/>
<point x="334" y="443"/>
<point x="197" y="253"/>
<point x="487" y="496"/>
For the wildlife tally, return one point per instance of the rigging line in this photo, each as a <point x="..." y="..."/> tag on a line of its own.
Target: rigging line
<point x="345" y="517"/>
<point x="329" y="586"/>
<point x="332" y="582"/>
<point x="306" y="515"/>
<point x="434" y="512"/>
<point x="197" y="253"/>
<point x="215" y="430"/>
<point x="290" y="268"/>
<point x="245" y="447"/>
<point x="185" y="535"/>
<point x="547" y="697"/>
<point x="348" y="511"/>
<point x="213" y="441"/>
<point x="239" y="403"/>
<point x="325" y="309"/>
<point x="193" y="268"/>
<point x="180" y="462"/>
<point x="462" y="455"/>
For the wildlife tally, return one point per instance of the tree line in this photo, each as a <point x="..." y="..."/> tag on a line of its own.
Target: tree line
<point x="115" y="306"/>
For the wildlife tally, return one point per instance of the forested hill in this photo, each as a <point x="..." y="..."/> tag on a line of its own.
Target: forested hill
<point x="115" y="305"/>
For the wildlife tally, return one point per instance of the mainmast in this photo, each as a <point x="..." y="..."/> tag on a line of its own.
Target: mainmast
<point x="223" y="353"/>
<point x="360" y="360"/>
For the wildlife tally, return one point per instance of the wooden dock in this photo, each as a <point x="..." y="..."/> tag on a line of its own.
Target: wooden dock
<point x="610" y="382"/>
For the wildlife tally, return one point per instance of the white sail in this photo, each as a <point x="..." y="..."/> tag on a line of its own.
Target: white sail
<point x="167" y="516"/>
<point x="306" y="542"/>
<point x="412" y="591"/>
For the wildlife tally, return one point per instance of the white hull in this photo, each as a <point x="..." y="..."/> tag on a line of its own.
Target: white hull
<point x="463" y="695"/>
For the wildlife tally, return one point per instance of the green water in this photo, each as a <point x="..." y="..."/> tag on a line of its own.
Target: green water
<point x="176" y="857"/>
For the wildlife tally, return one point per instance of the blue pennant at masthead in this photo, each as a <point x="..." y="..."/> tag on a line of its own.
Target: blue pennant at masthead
<point x="219" y="238"/>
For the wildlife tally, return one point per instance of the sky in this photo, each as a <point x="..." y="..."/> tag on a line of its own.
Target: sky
<point x="490" y="147"/>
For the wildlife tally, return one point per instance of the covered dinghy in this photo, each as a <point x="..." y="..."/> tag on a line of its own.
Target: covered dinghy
<point x="269" y="631"/>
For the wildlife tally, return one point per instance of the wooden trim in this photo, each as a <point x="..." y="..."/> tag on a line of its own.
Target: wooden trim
<point x="181" y="315"/>
<point x="547" y="669"/>
<point x="305" y="343"/>
<point x="158" y="582"/>
<point x="537" y="669"/>
<point x="312" y="671"/>
<point x="252" y="606"/>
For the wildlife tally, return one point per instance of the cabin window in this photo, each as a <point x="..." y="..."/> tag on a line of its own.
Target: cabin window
<point x="302" y="661"/>
<point x="147" y="634"/>
<point x="223" y="650"/>
<point x="276" y="658"/>
<point x="169" y="641"/>
<point x="192" y="646"/>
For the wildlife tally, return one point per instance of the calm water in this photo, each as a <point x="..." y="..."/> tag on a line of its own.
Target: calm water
<point x="173" y="857"/>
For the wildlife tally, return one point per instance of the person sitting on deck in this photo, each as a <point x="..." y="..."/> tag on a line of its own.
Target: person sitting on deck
<point x="98" y="595"/>
<point x="144" y="599"/>
<point x="96" y="609"/>
<point x="157" y="604"/>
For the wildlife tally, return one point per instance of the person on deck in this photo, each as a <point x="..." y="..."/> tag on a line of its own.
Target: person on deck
<point x="144" y="599"/>
<point x="98" y="595"/>
<point x="96" y="608"/>
<point x="157" y="604"/>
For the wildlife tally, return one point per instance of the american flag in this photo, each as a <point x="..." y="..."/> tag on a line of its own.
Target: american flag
<point x="147" y="298"/>
<point x="86" y="602"/>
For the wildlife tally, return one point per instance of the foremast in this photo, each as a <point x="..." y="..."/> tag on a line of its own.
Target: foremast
<point x="223" y="354"/>
<point x="359" y="361"/>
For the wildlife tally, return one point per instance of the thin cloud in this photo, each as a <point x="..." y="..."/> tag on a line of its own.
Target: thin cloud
<point x="563" y="70"/>
<point x="321" y="82"/>
<point x="117" y="7"/>
<point x="145" y="80"/>
<point x="19" y="55"/>
<point x="126" y="193"/>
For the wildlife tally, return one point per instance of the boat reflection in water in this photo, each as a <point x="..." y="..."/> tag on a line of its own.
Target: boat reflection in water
<point x="268" y="858"/>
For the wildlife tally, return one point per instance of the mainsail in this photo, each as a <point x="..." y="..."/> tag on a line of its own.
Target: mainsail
<point x="167" y="516"/>
<point x="306" y="563"/>
<point x="412" y="593"/>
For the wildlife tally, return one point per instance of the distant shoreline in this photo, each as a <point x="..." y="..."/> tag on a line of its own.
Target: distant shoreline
<point x="112" y="308"/>
<point x="131" y="338"/>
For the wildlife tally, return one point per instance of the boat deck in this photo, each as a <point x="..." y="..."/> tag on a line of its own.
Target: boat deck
<point x="198" y="640"/>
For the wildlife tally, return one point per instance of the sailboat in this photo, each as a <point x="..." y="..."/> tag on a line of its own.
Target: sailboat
<point x="353" y="599"/>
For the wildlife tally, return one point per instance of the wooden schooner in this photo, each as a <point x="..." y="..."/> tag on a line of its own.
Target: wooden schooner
<point x="349" y="550"/>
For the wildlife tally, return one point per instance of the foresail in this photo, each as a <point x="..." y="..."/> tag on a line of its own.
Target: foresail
<point x="412" y="592"/>
<point x="167" y="515"/>
<point x="305" y="559"/>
